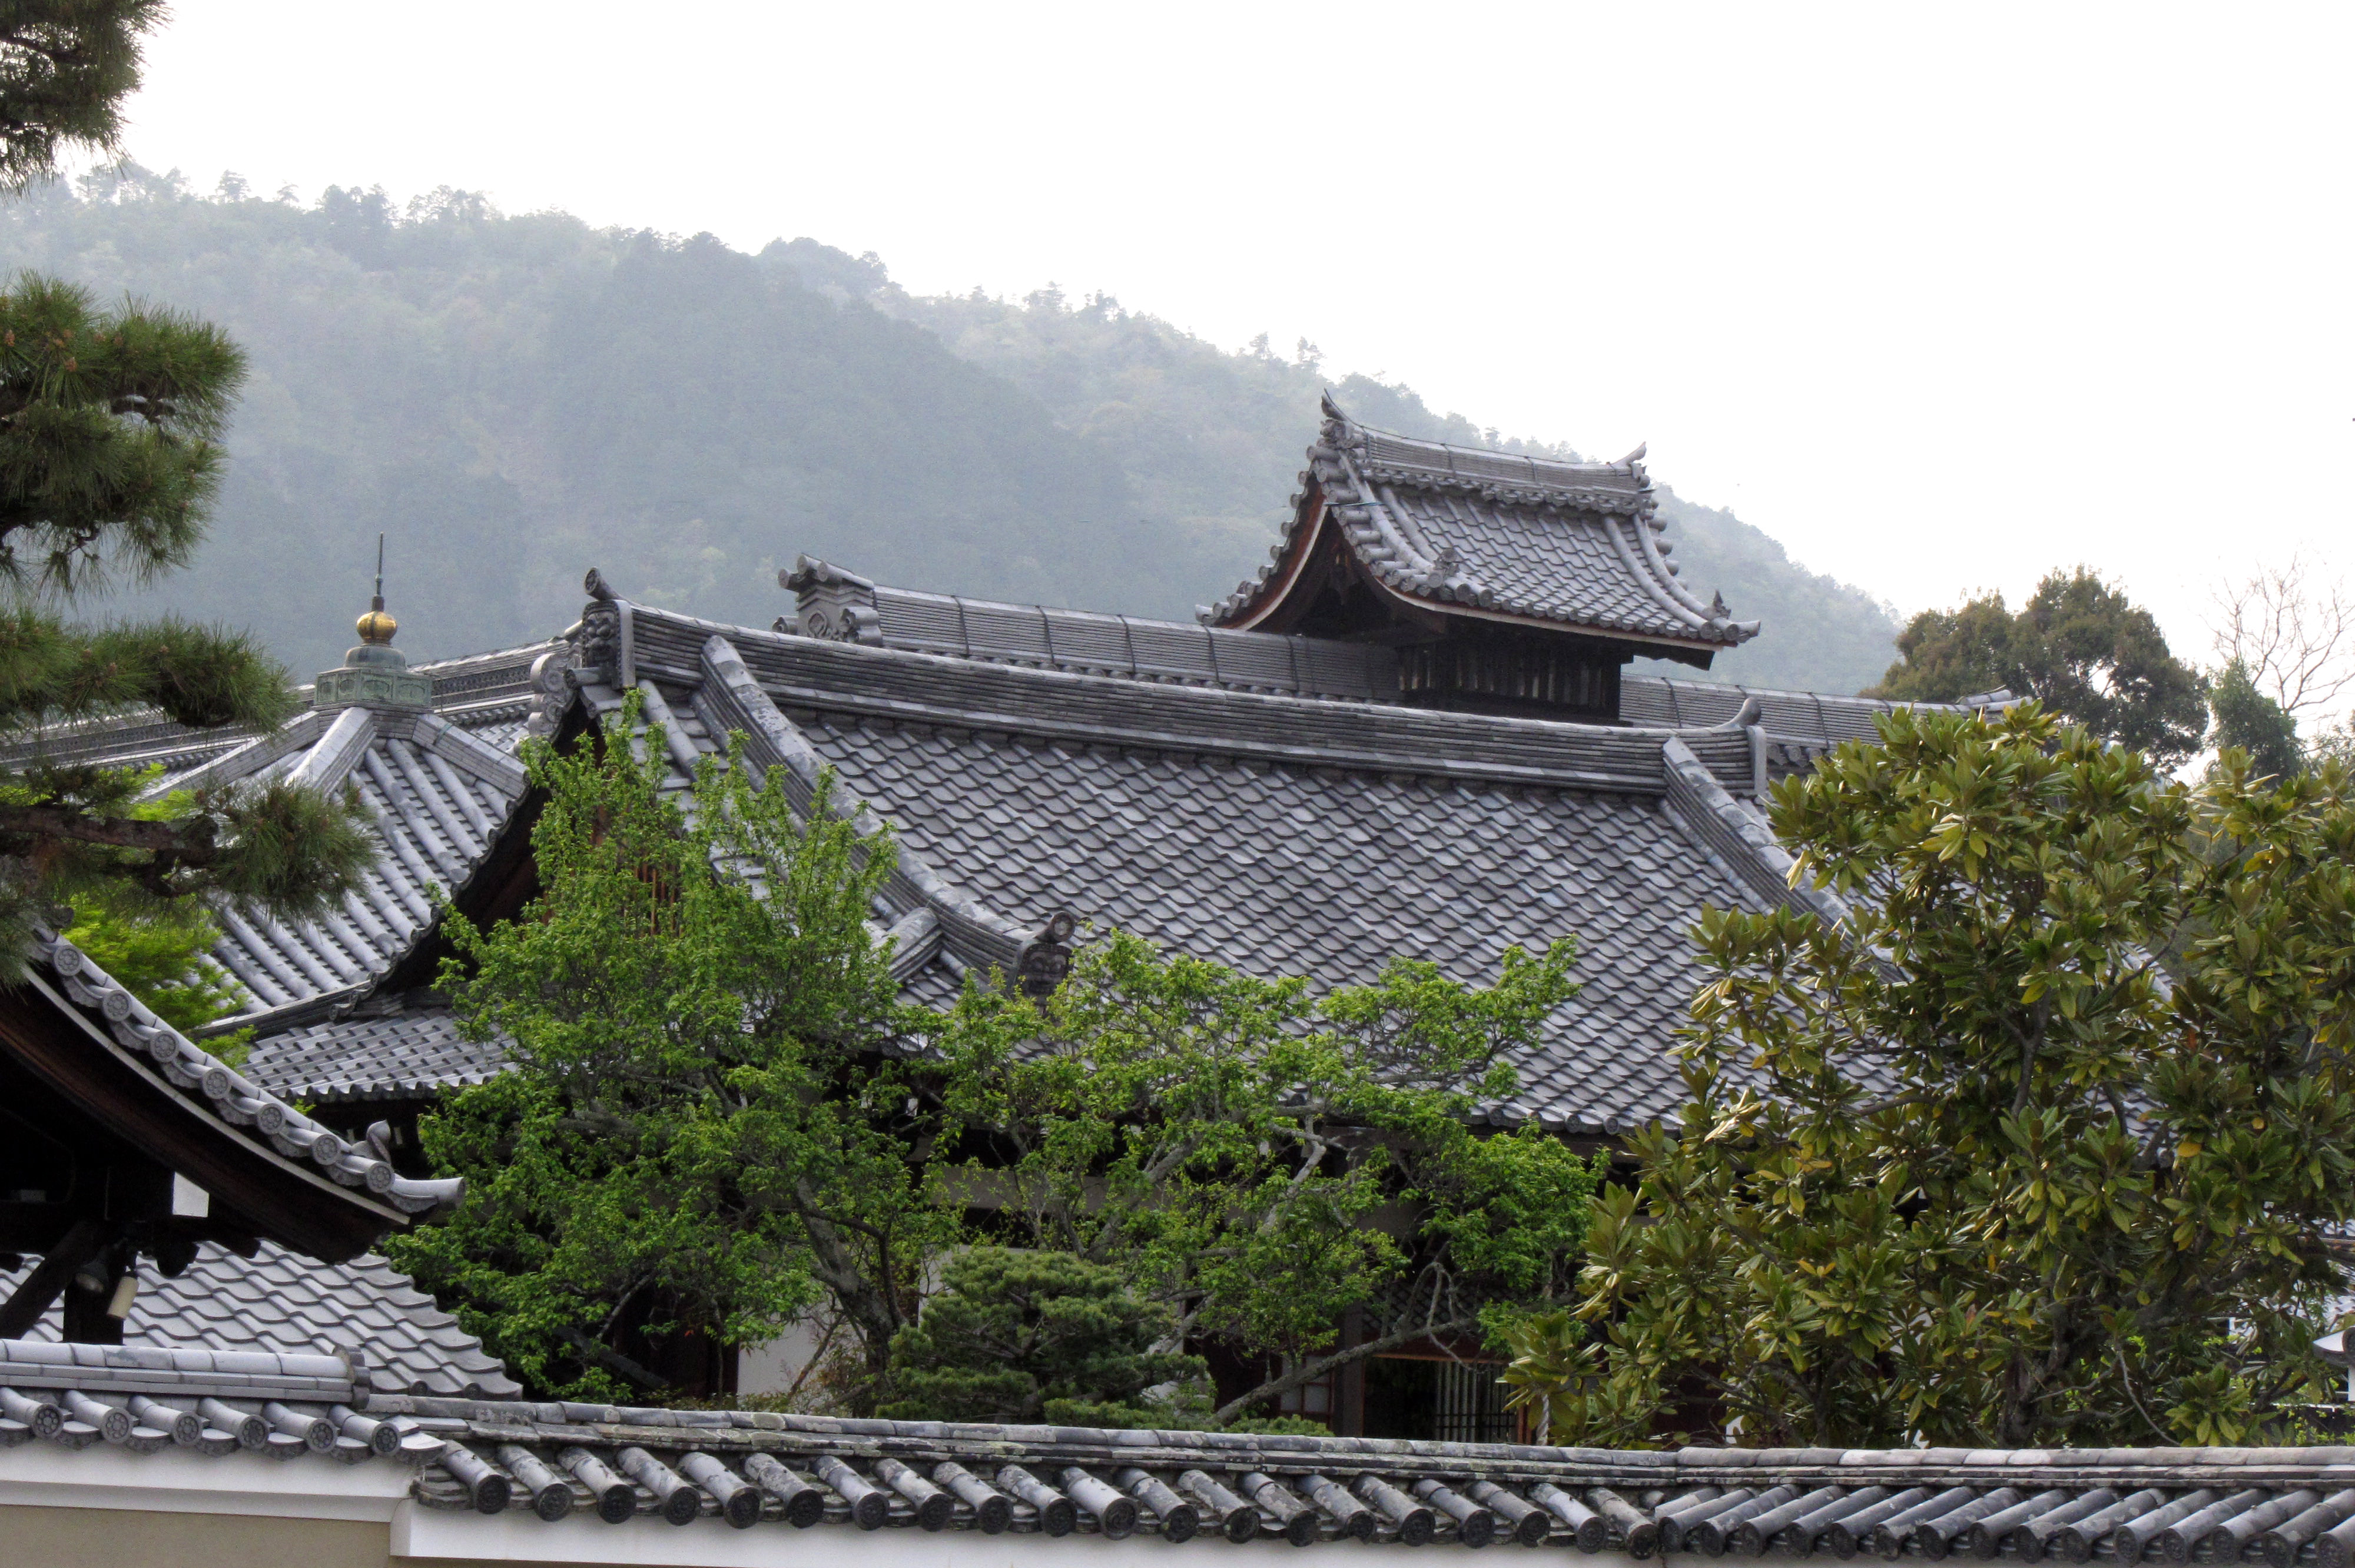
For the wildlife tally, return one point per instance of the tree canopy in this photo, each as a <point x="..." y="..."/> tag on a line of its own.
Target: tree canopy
<point x="1227" y="1142"/>
<point x="703" y="1133"/>
<point x="65" y="65"/>
<point x="2079" y="646"/>
<point x="2041" y="1144"/>
<point x="715" y="1122"/>
<point x="2247" y="718"/>
<point x="1021" y="1337"/>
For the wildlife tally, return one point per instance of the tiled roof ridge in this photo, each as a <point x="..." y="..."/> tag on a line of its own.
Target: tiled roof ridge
<point x="1739" y="837"/>
<point x="1475" y="466"/>
<point x="746" y="1468"/>
<point x="1298" y="1450"/>
<point x="284" y="1374"/>
<point x="839" y="605"/>
<point x="619" y="1464"/>
<point x="926" y="688"/>
<point x="1352" y="464"/>
<point x="210" y="1086"/>
<point x="728" y="699"/>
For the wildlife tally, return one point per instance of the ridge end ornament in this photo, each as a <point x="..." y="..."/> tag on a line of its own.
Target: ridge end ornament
<point x="1046" y="959"/>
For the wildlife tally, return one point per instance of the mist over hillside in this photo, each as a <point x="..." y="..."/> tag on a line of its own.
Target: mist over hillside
<point x="512" y="399"/>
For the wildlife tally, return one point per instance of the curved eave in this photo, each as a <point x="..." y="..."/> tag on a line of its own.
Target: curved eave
<point x="289" y="1203"/>
<point x="1300" y="547"/>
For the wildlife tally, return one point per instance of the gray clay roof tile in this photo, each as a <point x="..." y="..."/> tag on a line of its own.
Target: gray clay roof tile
<point x="1577" y="545"/>
<point x="279" y="1301"/>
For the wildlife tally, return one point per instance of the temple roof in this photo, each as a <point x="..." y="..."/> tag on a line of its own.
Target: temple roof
<point x="441" y="785"/>
<point x="1203" y="786"/>
<point x="1486" y="535"/>
<point x="1225" y="822"/>
<point x="277" y="1301"/>
<point x="86" y="1038"/>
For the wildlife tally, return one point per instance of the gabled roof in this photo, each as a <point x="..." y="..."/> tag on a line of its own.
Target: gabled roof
<point x="1486" y="535"/>
<point x="1278" y="835"/>
<point x="276" y="1301"/>
<point x="86" y="1039"/>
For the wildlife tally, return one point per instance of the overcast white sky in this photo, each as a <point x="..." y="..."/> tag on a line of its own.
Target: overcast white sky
<point x="1939" y="296"/>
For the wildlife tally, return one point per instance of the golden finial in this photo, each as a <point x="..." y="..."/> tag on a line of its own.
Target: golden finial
<point x="375" y="627"/>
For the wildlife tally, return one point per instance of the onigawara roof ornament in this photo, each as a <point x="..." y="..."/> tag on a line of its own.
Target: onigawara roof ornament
<point x="374" y="674"/>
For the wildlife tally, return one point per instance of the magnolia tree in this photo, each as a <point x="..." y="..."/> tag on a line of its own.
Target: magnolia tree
<point x="2043" y="1142"/>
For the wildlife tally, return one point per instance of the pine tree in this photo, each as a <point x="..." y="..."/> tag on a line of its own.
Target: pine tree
<point x="65" y="65"/>
<point x="110" y="460"/>
<point x="1020" y="1336"/>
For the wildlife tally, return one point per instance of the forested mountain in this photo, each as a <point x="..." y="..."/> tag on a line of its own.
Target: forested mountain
<point x="515" y="398"/>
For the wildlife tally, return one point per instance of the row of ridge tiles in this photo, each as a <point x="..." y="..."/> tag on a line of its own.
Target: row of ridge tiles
<point x="2281" y="1526"/>
<point x="619" y="1483"/>
<point x="211" y="1424"/>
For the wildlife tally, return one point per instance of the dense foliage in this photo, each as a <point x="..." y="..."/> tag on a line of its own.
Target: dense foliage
<point x="1025" y="1336"/>
<point x="2078" y="645"/>
<point x="2041" y="1144"/>
<point x="65" y="65"/>
<point x="1228" y="1144"/>
<point x="713" y="1126"/>
<point x="702" y="1135"/>
<point x="2247" y="719"/>
<point x="515" y="398"/>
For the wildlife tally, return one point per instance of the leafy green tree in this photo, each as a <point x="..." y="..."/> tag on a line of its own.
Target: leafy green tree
<point x="162" y="956"/>
<point x="704" y="1131"/>
<point x="65" y="65"/>
<point x="1967" y="1166"/>
<point x="1224" y="1143"/>
<point x="2252" y="721"/>
<point x="1017" y="1336"/>
<point x="2079" y="646"/>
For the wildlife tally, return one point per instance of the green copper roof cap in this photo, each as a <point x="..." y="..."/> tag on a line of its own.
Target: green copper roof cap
<point x="375" y="674"/>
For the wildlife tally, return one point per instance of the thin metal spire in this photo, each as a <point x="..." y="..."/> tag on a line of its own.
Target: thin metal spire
<point x="378" y="602"/>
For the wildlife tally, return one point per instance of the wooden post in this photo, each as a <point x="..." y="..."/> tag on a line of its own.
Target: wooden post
<point x="82" y="1241"/>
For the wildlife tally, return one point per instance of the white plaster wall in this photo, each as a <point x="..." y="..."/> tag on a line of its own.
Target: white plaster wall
<point x="771" y="1368"/>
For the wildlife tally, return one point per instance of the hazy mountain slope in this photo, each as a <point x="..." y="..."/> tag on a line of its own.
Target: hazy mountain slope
<point x="1213" y="444"/>
<point x="516" y="399"/>
<point x="513" y="399"/>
